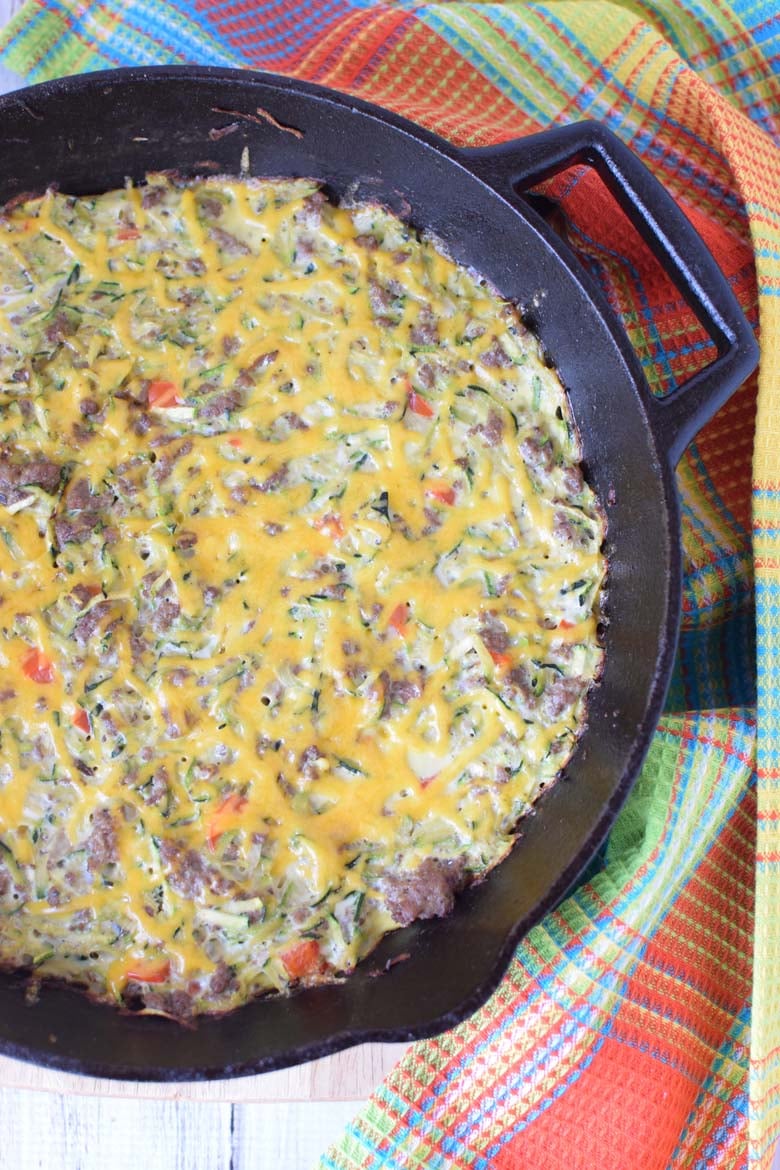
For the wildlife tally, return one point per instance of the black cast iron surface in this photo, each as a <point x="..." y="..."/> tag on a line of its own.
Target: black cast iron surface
<point x="88" y="134"/>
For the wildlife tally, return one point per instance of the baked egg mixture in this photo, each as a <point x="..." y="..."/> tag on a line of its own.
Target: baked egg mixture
<point x="299" y="586"/>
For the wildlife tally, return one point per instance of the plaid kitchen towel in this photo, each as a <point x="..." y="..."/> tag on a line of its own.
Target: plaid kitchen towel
<point x="638" y="1026"/>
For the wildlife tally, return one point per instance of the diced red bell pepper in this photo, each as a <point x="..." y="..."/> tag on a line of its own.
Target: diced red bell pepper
<point x="331" y="525"/>
<point x="302" y="959"/>
<point x="38" y="666"/>
<point x="149" y="970"/>
<point x="419" y="405"/>
<point x="81" y="720"/>
<point x="399" y="619"/>
<point x="225" y="816"/>
<point x="440" y="491"/>
<point x="162" y="393"/>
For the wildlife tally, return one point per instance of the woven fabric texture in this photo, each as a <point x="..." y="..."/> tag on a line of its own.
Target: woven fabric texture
<point x="639" y="1025"/>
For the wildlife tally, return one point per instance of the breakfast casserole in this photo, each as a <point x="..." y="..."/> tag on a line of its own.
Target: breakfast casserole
<point x="300" y="585"/>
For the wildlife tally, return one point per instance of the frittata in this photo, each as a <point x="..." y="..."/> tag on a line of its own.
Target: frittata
<point x="299" y="586"/>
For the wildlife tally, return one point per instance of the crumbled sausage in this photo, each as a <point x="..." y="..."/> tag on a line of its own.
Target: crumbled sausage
<point x="177" y="1004"/>
<point x="9" y="494"/>
<point x="496" y="357"/>
<point x="473" y="330"/>
<point x="81" y="434"/>
<point x="75" y="530"/>
<point x="42" y="472"/>
<point x="560" y="695"/>
<point x="89" y="622"/>
<point x="275" y="480"/>
<point x="83" y="593"/>
<point x="426" y="892"/>
<point x="573" y="481"/>
<point x="294" y="421"/>
<point x="307" y="764"/>
<point x="491" y="431"/>
<point x="138" y="644"/>
<point x="210" y="208"/>
<point x="79" y="495"/>
<point x="80" y="513"/>
<point x="82" y="919"/>
<point x="567" y="531"/>
<point x="222" y="980"/>
<point x="519" y="680"/>
<point x="334" y="592"/>
<point x="228" y="243"/>
<point x="158" y="787"/>
<point x="435" y="520"/>
<point x="262" y="362"/>
<point x="398" y="690"/>
<point x="357" y="672"/>
<point x="185" y="296"/>
<point x="537" y="452"/>
<point x="185" y="539"/>
<point x="190" y="874"/>
<point x="26" y="408"/>
<point x="165" y="606"/>
<point x="494" y="634"/>
<point x="151" y="196"/>
<point x="60" y="328"/>
<point x="425" y="375"/>
<point x="310" y="215"/>
<point x="378" y="298"/>
<point x="101" y="844"/>
<point x="223" y="403"/>
<point x="165" y="462"/>
<point x="425" y="331"/>
<point x="14" y="477"/>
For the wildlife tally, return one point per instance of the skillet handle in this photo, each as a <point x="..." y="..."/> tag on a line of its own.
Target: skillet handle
<point x="676" y="244"/>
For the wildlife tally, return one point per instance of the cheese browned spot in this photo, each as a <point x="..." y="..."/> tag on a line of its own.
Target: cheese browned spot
<point x="299" y="586"/>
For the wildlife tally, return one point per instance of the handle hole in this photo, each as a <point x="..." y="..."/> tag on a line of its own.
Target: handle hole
<point x="671" y="343"/>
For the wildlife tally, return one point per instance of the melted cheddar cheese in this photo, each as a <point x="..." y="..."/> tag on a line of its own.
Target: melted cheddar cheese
<point x="299" y="582"/>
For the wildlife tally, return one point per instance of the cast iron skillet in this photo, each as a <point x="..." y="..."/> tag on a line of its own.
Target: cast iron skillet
<point x="87" y="134"/>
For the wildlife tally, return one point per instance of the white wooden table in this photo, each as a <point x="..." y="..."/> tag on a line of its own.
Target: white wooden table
<point x="280" y="1121"/>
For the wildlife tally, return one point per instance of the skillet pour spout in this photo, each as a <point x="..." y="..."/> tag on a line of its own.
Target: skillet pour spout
<point x="89" y="133"/>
